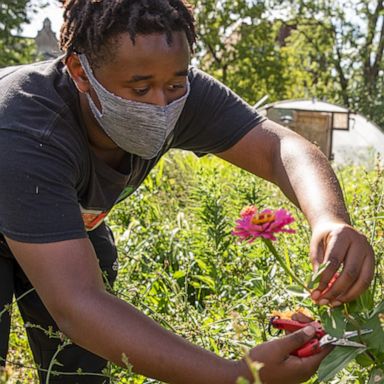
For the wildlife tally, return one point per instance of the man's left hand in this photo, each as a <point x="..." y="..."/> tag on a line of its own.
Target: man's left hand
<point x="340" y="244"/>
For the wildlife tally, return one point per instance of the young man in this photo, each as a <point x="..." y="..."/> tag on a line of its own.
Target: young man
<point x="78" y="135"/>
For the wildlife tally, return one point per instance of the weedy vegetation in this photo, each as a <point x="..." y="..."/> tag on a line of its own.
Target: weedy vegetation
<point x="180" y="265"/>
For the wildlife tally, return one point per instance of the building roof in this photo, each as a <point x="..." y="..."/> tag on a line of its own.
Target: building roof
<point x="359" y="145"/>
<point x="308" y="105"/>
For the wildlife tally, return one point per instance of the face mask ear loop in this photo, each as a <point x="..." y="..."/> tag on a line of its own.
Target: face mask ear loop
<point x="92" y="80"/>
<point x="93" y="106"/>
<point x="87" y="68"/>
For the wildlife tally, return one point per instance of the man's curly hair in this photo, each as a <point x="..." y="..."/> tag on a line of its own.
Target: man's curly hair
<point x="91" y="25"/>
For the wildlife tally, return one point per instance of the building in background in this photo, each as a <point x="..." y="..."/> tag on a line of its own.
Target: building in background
<point x="46" y="41"/>
<point x="343" y="136"/>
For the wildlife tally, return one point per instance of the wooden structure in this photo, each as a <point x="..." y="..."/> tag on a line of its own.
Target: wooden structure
<point x="312" y="119"/>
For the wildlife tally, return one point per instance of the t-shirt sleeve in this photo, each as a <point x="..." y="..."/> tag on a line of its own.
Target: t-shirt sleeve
<point x="214" y="117"/>
<point x="38" y="198"/>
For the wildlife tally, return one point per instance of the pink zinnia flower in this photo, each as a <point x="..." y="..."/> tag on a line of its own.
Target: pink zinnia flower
<point x="253" y="224"/>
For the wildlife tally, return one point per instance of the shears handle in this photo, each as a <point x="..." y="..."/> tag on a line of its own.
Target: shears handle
<point x="292" y="326"/>
<point x="308" y="349"/>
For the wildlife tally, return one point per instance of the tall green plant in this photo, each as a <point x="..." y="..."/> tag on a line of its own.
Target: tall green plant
<point x="162" y="237"/>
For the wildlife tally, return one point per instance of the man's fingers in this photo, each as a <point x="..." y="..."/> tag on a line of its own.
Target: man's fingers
<point x="334" y="255"/>
<point x="316" y="254"/>
<point x="298" y="316"/>
<point x="304" y="368"/>
<point x="349" y="276"/>
<point x="342" y="245"/>
<point x="362" y="283"/>
<point x="293" y="341"/>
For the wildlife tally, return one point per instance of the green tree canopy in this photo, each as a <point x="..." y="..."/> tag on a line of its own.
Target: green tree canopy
<point x="344" y="42"/>
<point x="331" y="50"/>
<point x="13" y="14"/>
<point x="237" y="46"/>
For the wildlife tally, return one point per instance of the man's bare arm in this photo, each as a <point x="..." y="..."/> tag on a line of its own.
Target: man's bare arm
<point x="68" y="280"/>
<point x="67" y="277"/>
<point x="303" y="173"/>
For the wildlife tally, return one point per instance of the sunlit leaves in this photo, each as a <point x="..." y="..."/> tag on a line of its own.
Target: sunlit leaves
<point x="334" y="322"/>
<point x="379" y="309"/>
<point x="375" y="340"/>
<point x="336" y="360"/>
<point x="297" y="290"/>
<point x="296" y="49"/>
<point x="316" y="276"/>
<point x="13" y="14"/>
<point x="364" y="303"/>
<point x="338" y="320"/>
<point x="164" y="245"/>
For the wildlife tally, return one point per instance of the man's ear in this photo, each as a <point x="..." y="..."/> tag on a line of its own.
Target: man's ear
<point x="77" y="73"/>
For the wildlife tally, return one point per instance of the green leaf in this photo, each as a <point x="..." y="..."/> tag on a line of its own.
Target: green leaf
<point x="374" y="340"/>
<point x="334" y="322"/>
<point x="241" y="380"/>
<point x="179" y="274"/>
<point x="296" y="290"/>
<point x="316" y="276"/>
<point x="363" y="303"/>
<point x="378" y="309"/>
<point x="206" y="279"/>
<point x="336" y="361"/>
<point x="376" y="376"/>
<point x="257" y="285"/>
<point x="203" y="265"/>
<point x="364" y="360"/>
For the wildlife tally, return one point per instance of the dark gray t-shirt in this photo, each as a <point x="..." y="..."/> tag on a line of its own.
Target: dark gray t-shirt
<point x="52" y="186"/>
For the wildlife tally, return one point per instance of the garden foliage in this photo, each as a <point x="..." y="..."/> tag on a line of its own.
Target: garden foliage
<point x="180" y="264"/>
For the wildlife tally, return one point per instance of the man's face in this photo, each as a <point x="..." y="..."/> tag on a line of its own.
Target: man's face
<point x="149" y="71"/>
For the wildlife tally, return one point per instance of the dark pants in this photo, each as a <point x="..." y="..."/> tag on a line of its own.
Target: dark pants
<point x="72" y="358"/>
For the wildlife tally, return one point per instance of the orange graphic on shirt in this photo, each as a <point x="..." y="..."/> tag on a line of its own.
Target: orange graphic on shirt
<point x="92" y="219"/>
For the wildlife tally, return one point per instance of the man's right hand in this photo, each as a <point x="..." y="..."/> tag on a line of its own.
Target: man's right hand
<point x="281" y="367"/>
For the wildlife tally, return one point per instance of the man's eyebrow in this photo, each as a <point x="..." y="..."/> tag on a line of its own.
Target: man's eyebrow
<point x="184" y="72"/>
<point x="137" y="78"/>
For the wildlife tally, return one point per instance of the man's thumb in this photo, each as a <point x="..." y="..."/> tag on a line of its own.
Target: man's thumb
<point x="297" y="339"/>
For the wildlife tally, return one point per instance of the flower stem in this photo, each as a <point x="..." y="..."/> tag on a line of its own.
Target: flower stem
<point x="271" y="247"/>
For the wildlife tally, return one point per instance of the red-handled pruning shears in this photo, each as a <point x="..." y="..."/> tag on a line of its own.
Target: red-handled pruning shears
<point x="321" y="337"/>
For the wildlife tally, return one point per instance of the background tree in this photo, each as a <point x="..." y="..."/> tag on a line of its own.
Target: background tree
<point x="237" y="45"/>
<point x="331" y="50"/>
<point x="351" y="71"/>
<point x="13" y="14"/>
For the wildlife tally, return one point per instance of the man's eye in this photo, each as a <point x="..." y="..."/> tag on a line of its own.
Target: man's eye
<point x="140" y="91"/>
<point x="174" y="87"/>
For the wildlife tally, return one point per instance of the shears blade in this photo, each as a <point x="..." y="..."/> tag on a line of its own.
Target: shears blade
<point x="344" y="340"/>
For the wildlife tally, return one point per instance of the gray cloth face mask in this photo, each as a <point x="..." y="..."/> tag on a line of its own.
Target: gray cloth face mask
<point x="138" y="128"/>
